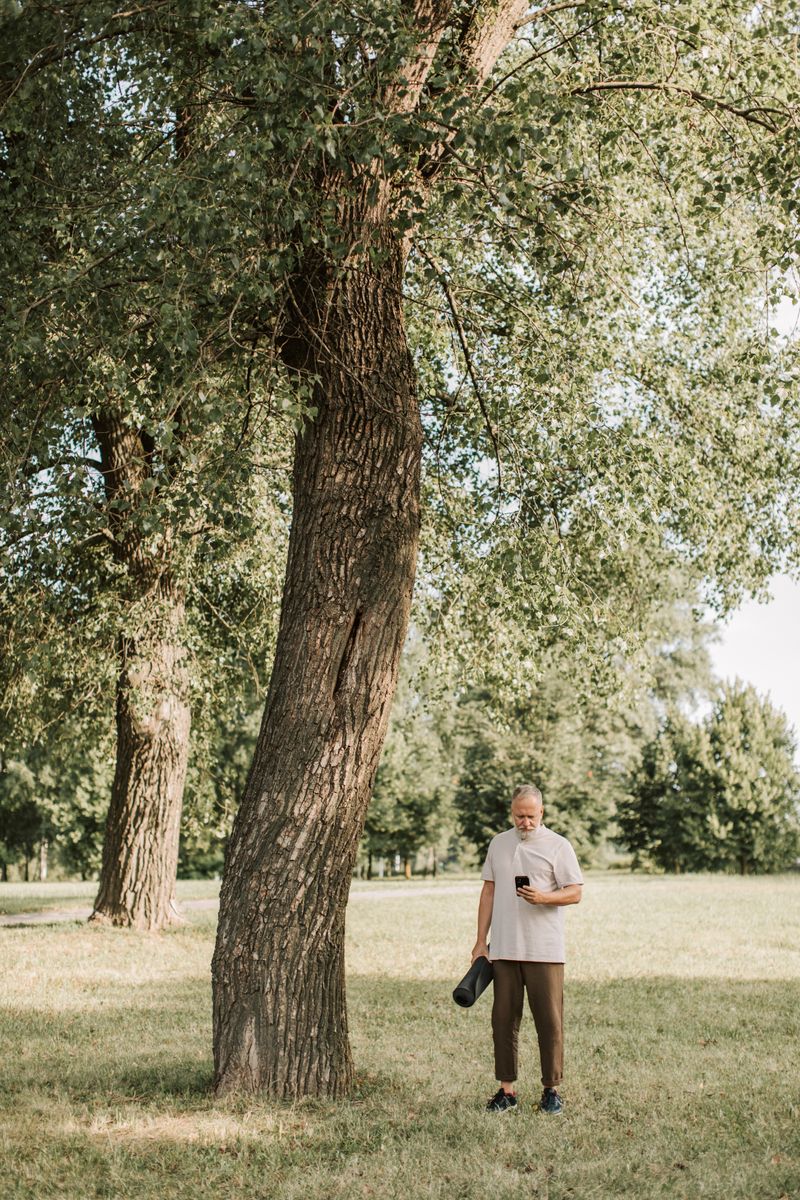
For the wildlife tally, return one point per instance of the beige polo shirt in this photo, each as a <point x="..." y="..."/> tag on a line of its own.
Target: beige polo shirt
<point x="522" y="931"/>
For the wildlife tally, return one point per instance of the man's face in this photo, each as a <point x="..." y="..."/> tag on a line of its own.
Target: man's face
<point x="527" y="815"/>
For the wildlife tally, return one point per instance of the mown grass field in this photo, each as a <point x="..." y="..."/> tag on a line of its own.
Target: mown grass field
<point x="683" y="1058"/>
<point x="58" y="896"/>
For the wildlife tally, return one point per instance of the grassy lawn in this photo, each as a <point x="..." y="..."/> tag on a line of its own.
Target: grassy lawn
<point x="683" y="1059"/>
<point x="42" y="897"/>
<point x="59" y="896"/>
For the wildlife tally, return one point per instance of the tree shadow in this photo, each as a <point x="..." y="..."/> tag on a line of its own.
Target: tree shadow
<point x="659" y="1072"/>
<point x="143" y="1040"/>
<point x="155" y="1039"/>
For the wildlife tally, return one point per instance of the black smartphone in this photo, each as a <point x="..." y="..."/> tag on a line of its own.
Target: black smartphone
<point x="521" y="881"/>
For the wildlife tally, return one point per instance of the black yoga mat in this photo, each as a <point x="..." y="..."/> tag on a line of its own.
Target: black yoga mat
<point x="476" y="980"/>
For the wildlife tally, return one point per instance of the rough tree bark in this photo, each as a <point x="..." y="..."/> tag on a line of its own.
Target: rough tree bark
<point x="279" y="1012"/>
<point x="140" y="850"/>
<point x="280" y="1019"/>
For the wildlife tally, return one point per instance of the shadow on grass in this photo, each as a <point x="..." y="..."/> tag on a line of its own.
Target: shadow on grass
<point x="667" y="1083"/>
<point x="156" y="1039"/>
<point x="633" y="1047"/>
<point x="137" y="1041"/>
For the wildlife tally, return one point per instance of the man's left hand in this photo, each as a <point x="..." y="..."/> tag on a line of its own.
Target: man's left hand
<point x="532" y="895"/>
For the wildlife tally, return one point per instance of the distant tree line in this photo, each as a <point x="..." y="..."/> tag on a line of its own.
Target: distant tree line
<point x="636" y="773"/>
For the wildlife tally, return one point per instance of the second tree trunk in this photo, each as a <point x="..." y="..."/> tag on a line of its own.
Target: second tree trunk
<point x="140" y="850"/>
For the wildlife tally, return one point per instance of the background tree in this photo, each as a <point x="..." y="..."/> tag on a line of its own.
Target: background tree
<point x="22" y="825"/>
<point x="720" y="795"/>
<point x="752" y="783"/>
<point x="663" y="817"/>
<point x="576" y="741"/>
<point x="564" y="748"/>
<point x="222" y="753"/>
<point x="54" y="796"/>
<point x="117" y="275"/>
<point x="412" y="800"/>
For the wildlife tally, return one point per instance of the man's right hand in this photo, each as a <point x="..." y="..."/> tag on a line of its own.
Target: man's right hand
<point x="480" y="950"/>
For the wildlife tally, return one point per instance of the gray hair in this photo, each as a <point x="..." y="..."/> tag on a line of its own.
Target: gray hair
<point x="527" y="791"/>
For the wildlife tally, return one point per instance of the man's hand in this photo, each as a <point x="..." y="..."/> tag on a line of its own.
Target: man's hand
<point x="480" y="950"/>
<point x="533" y="895"/>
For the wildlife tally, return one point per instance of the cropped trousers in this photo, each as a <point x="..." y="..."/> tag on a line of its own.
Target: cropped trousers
<point x="544" y="984"/>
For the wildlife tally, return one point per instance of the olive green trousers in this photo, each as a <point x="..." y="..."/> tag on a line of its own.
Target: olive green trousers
<point x="544" y="983"/>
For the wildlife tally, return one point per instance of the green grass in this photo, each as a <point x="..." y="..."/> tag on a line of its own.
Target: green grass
<point x="683" y="1059"/>
<point x="43" y="897"/>
<point x="63" y="896"/>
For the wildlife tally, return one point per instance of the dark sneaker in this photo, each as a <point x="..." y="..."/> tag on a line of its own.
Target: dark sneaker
<point x="501" y="1102"/>
<point x="551" y="1102"/>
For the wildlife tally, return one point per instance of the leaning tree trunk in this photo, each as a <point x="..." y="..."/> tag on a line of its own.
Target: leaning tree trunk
<point x="140" y="850"/>
<point x="280" y="1021"/>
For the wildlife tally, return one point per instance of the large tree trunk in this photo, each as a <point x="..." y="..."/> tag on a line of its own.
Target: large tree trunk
<point x="280" y="1021"/>
<point x="140" y="850"/>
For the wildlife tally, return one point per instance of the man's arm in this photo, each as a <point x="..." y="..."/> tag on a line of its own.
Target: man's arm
<point x="485" y="906"/>
<point x="571" y="894"/>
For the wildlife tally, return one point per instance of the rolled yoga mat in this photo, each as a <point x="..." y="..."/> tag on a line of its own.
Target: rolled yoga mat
<point x="476" y="980"/>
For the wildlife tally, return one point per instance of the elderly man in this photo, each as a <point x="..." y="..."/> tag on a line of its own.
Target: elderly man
<point x="527" y="941"/>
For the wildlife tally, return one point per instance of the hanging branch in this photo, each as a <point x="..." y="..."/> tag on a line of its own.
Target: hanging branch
<point x="442" y="278"/>
<point x="748" y="114"/>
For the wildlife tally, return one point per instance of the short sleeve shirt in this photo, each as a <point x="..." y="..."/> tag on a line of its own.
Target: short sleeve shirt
<point x="521" y="931"/>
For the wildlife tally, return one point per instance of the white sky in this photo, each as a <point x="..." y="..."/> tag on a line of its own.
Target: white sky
<point x="760" y="644"/>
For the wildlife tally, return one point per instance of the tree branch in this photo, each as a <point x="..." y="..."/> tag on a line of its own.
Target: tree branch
<point x="748" y="114"/>
<point x="483" y="39"/>
<point x="451" y="303"/>
<point x="430" y="18"/>
<point x="545" y="50"/>
<point x="31" y="470"/>
<point x="549" y="8"/>
<point x="98" y="262"/>
<point x="492" y="29"/>
<point x="73" y="44"/>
